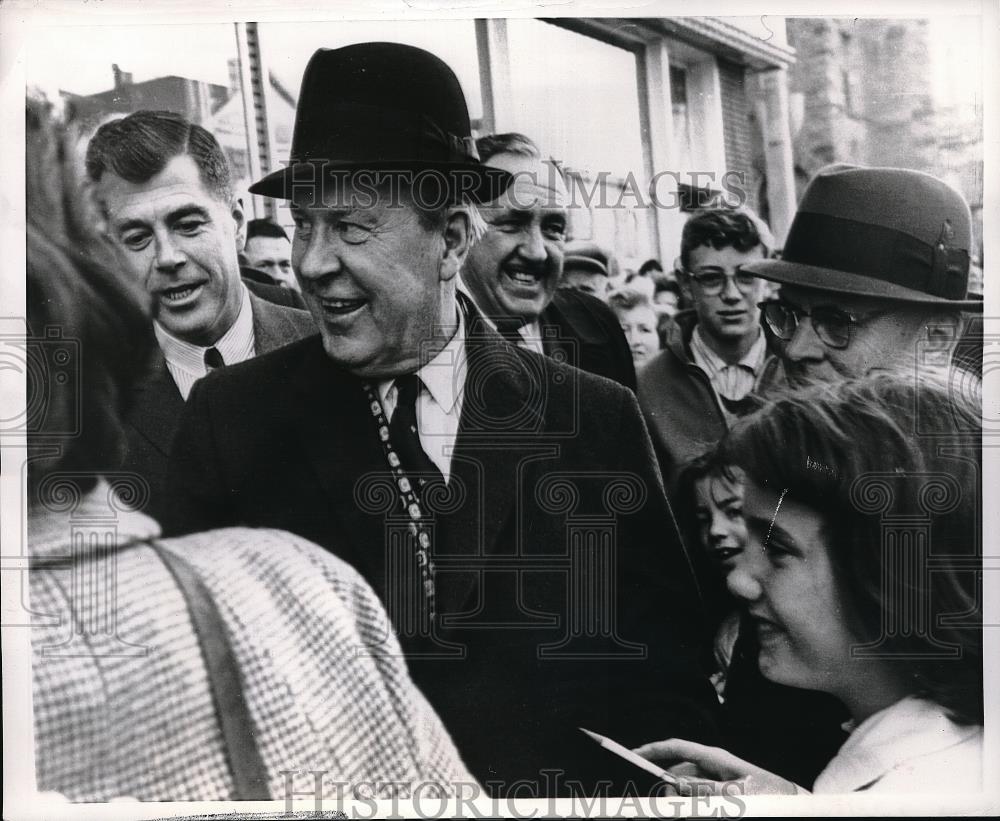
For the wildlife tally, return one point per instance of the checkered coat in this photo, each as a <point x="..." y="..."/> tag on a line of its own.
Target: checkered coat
<point x="121" y="695"/>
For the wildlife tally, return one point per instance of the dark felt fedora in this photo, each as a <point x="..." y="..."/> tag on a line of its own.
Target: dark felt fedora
<point x="882" y="232"/>
<point x="382" y="107"/>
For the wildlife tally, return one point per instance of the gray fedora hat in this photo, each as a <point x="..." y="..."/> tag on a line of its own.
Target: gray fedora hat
<point x="889" y="233"/>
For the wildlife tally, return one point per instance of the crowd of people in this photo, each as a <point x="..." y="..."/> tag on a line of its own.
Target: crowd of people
<point x="416" y="494"/>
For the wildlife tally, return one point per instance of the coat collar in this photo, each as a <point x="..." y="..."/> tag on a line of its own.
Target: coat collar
<point x="156" y="401"/>
<point x="156" y="405"/>
<point x="50" y="529"/>
<point x="909" y="729"/>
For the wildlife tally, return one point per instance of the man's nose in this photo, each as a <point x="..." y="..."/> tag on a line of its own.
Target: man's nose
<point x="730" y="293"/>
<point x="316" y="258"/>
<point x="168" y="256"/>
<point x="532" y="245"/>
<point x="804" y="344"/>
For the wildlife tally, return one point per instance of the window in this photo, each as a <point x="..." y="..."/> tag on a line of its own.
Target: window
<point x="578" y="99"/>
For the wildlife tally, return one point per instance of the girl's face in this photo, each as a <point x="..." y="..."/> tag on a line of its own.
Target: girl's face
<point x="718" y="509"/>
<point x="786" y="577"/>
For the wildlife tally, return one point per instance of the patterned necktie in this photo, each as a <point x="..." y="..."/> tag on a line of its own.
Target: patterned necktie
<point x="404" y="435"/>
<point x="213" y="359"/>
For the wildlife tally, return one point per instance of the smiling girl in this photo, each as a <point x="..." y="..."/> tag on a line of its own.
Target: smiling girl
<point x="861" y="577"/>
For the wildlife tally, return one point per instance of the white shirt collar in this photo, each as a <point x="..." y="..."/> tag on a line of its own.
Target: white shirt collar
<point x="752" y="359"/>
<point x="911" y="728"/>
<point x="443" y="376"/>
<point x="439" y="407"/>
<point x="235" y="345"/>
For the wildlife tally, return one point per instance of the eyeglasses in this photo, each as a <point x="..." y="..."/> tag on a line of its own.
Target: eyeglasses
<point x="713" y="282"/>
<point x="832" y="325"/>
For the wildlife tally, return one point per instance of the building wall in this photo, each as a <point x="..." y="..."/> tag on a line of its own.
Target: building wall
<point x="738" y="128"/>
<point x="863" y="92"/>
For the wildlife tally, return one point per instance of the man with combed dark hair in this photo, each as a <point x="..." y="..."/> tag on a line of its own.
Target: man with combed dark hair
<point x="716" y="352"/>
<point x="165" y="187"/>
<point x="466" y="478"/>
<point x="513" y="272"/>
<point x="268" y="251"/>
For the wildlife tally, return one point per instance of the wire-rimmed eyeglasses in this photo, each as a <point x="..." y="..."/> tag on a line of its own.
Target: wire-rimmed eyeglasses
<point x="714" y="281"/>
<point x="832" y="325"/>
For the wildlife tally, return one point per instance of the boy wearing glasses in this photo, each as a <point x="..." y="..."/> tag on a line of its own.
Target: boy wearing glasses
<point x="716" y="353"/>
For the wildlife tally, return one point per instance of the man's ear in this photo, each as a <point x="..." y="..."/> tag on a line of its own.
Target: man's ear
<point x="943" y="331"/>
<point x="457" y="241"/>
<point x="239" y="217"/>
<point x="684" y="282"/>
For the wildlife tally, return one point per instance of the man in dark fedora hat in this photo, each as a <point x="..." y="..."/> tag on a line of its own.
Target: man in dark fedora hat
<point x="505" y="507"/>
<point x="874" y="274"/>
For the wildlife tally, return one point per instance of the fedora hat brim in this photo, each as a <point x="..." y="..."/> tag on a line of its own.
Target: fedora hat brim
<point x="843" y="282"/>
<point x="478" y="182"/>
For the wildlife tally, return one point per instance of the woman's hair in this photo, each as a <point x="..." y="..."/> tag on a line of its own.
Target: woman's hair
<point x="889" y="461"/>
<point x="89" y="327"/>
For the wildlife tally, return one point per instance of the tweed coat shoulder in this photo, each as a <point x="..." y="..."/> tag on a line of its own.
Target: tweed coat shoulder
<point x="122" y="705"/>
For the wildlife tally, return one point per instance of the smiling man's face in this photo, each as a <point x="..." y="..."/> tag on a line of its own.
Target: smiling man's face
<point x="514" y="269"/>
<point x="181" y="241"/>
<point x="377" y="279"/>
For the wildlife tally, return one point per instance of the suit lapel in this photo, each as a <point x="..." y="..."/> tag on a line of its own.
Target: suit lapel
<point x="555" y="337"/>
<point x="500" y="418"/>
<point x="339" y="443"/>
<point x="271" y="327"/>
<point x="157" y="406"/>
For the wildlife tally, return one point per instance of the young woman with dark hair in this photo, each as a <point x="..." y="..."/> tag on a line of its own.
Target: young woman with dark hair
<point x="862" y="577"/>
